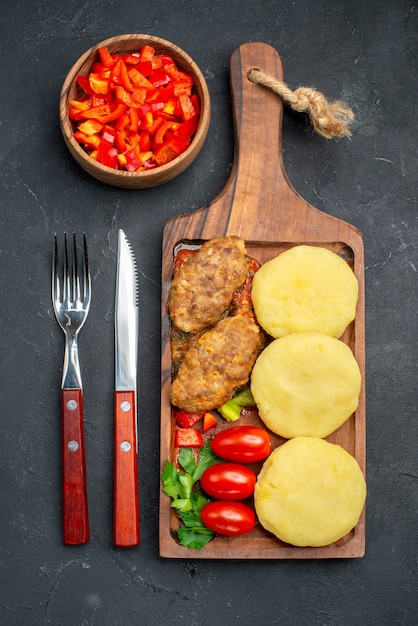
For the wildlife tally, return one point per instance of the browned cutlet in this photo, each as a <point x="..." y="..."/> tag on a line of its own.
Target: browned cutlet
<point x="202" y="288"/>
<point x="217" y="363"/>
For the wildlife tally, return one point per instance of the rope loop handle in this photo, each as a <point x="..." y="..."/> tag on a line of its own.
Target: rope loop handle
<point x="329" y="119"/>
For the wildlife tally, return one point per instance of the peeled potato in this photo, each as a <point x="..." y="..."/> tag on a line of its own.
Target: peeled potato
<point x="309" y="492"/>
<point x="306" y="288"/>
<point x="306" y="384"/>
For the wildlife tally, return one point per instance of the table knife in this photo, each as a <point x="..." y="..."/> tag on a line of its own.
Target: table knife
<point x="126" y="499"/>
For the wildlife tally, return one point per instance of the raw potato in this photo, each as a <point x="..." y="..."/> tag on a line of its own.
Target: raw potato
<point x="306" y="384"/>
<point x="309" y="492"/>
<point x="306" y="288"/>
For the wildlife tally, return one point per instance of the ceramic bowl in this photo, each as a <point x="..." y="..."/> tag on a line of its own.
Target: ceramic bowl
<point x="72" y="91"/>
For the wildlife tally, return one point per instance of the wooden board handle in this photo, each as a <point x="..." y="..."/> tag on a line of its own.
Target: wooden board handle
<point x="126" y="508"/>
<point x="74" y="487"/>
<point x="258" y="116"/>
<point x="258" y="177"/>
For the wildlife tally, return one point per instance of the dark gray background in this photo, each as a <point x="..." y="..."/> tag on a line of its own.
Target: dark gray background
<point x="362" y="52"/>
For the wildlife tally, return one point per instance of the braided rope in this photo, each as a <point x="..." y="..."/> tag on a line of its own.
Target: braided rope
<point x="329" y="119"/>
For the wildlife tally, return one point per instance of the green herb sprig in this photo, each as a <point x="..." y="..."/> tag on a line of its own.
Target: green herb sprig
<point x="188" y="497"/>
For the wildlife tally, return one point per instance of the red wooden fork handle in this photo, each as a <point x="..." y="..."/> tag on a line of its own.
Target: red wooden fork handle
<point x="126" y="501"/>
<point x="74" y="484"/>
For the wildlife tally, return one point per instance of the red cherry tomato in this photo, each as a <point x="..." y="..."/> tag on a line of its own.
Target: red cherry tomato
<point x="228" y="518"/>
<point x="228" y="481"/>
<point x="243" y="444"/>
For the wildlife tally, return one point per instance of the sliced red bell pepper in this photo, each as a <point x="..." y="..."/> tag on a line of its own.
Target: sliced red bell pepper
<point x="170" y="67"/>
<point x="147" y="160"/>
<point x="122" y="160"/>
<point x="195" y="101"/>
<point x="139" y="95"/>
<point x="156" y="106"/>
<point x="133" y="162"/>
<point x="166" y="93"/>
<point x="185" y="76"/>
<point x="98" y="84"/>
<point x="139" y="80"/>
<point x="147" y="53"/>
<point x="123" y="96"/>
<point x="98" y="100"/>
<point x="151" y="123"/>
<point x="113" y="115"/>
<point x="188" y="128"/>
<point x="132" y="139"/>
<point x="170" y="106"/>
<point x="143" y="110"/>
<point x="209" y="421"/>
<point x="145" y="67"/>
<point x="185" y="419"/>
<point x="107" y="154"/>
<point x="188" y="438"/>
<point x="122" y="122"/>
<point x="120" y="142"/>
<point x="160" y="134"/>
<point x="81" y="105"/>
<point x="159" y="78"/>
<point x="144" y="141"/>
<point x="170" y="150"/>
<point x="94" y="113"/>
<point x="98" y="68"/>
<point x="90" y="127"/>
<point x="147" y="119"/>
<point x="84" y="83"/>
<point x="89" y="141"/>
<point x="133" y="119"/>
<point x="140" y="104"/>
<point x="120" y="75"/>
<point x="187" y="107"/>
<point x="105" y="57"/>
<point x="109" y="134"/>
<point x="164" y="155"/>
<point x="131" y="59"/>
<point x="182" y="87"/>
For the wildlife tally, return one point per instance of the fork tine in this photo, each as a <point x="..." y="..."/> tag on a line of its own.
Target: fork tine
<point x="66" y="291"/>
<point x="75" y="273"/>
<point x="72" y="282"/>
<point x="55" y="278"/>
<point x="86" y="278"/>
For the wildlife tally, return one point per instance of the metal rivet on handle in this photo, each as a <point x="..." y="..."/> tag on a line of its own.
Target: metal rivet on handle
<point x="72" y="405"/>
<point x="72" y="446"/>
<point x="125" y="406"/>
<point x="125" y="446"/>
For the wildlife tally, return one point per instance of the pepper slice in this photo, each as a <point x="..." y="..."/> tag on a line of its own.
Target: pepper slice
<point x="188" y="438"/>
<point x="209" y="421"/>
<point x="185" y="419"/>
<point x="107" y="154"/>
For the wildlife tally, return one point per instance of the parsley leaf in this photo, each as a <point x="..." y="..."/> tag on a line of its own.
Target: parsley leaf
<point x="188" y="497"/>
<point x="194" y="538"/>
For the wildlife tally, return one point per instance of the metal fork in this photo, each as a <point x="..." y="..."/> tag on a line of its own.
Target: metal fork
<point x="71" y="295"/>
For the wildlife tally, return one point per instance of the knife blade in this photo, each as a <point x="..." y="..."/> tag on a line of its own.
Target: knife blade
<point x="125" y="495"/>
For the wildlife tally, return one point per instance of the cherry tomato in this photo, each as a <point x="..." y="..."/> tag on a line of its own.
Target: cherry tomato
<point x="228" y="481"/>
<point x="243" y="444"/>
<point x="228" y="518"/>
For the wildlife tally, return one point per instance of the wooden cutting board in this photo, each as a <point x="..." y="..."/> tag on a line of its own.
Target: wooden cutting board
<point x="260" y="205"/>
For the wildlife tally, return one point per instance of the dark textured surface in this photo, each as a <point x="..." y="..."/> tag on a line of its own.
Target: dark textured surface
<point x="364" y="53"/>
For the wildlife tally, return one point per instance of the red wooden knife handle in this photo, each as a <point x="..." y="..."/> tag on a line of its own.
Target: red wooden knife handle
<point x="74" y="484"/>
<point x="126" y="501"/>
